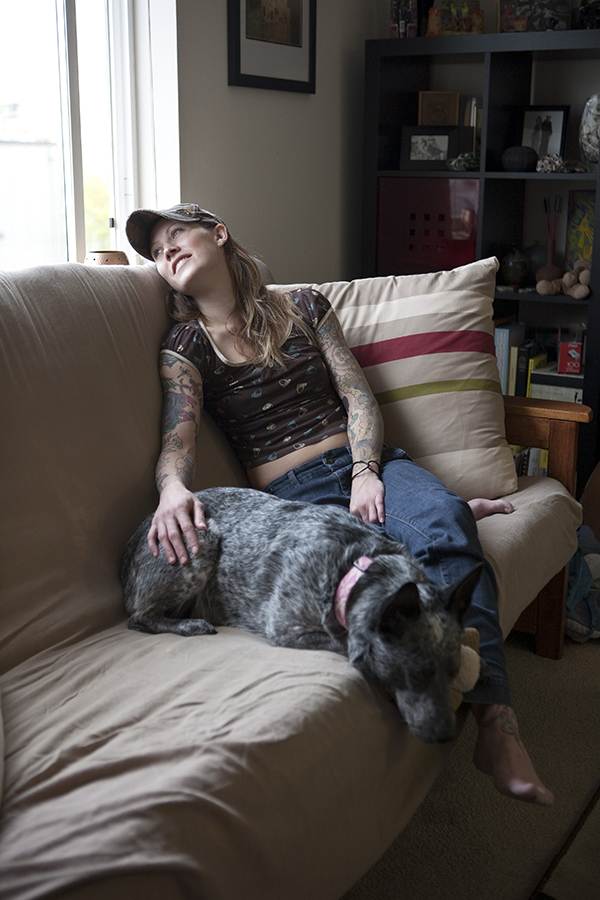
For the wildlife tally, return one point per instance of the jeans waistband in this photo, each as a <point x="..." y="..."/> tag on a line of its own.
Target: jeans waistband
<point x="335" y="459"/>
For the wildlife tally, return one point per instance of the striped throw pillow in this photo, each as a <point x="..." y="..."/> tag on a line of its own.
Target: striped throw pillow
<point x="426" y="345"/>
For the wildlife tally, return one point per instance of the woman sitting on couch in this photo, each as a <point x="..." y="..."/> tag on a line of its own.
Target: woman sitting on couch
<point x="275" y="373"/>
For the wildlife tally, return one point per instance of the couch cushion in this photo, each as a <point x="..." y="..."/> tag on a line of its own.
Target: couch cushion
<point x="426" y="344"/>
<point x="238" y="769"/>
<point x="529" y="546"/>
<point x="80" y="408"/>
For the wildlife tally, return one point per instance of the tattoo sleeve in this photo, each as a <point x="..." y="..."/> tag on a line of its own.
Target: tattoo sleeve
<point x="182" y="403"/>
<point x="365" y="424"/>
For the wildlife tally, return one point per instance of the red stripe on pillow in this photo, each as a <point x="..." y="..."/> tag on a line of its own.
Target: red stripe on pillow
<point x="424" y="345"/>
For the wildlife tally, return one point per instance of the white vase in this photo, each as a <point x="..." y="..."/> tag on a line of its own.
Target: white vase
<point x="589" y="133"/>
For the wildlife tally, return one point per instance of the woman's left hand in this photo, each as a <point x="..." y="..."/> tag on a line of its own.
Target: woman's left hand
<point x="367" y="498"/>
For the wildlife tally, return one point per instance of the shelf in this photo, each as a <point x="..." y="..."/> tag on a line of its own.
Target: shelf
<point x="566" y="43"/>
<point x="509" y="72"/>
<point x="533" y="297"/>
<point x="425" y="173"/>
<point x="477" y="173"/>
<point x="543" y="176"/>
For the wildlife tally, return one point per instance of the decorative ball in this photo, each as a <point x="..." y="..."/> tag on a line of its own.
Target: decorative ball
<point x="514" y="268"/>
<point x="519" y="159"/>
<point x="536" y="257"/>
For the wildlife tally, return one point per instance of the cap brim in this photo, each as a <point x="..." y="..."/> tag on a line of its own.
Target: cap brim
<point x="139" y="229"/>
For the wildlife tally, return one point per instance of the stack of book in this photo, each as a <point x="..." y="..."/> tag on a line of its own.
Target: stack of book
<point x="528" y="367"/>
<point x="547" y="383"/>
<point x="529" y="460"/>
<point x="507" y="337"/>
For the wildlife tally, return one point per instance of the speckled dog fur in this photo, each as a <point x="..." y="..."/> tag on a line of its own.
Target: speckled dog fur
<point x="272" y="567"/>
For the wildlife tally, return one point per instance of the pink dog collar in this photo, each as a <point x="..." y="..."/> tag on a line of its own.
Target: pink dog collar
<point x="345" y="587"/>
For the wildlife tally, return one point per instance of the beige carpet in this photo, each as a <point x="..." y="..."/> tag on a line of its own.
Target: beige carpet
<point x="467" y="842"/>
<point x="576" y="874"/>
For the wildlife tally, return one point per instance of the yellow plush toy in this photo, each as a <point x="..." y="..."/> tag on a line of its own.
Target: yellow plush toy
<point x="470" y="664"/>
<point x="573" y="283"/>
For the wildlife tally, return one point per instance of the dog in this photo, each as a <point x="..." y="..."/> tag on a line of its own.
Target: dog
<point x="314" y="577"/>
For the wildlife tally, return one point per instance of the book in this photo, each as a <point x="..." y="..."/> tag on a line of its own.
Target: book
<point x="552" y="392"/>
<point x="549" y="374"/>
<point x="512" y="371"/>
<point x="533" y="463"/>
<point x="520" y="456"/>
<point x="540" y="359"/>
<point x="547" y="383"/>
<point x="529" y="460"/>
<point x="507" y="336"/>
<point x="527" y="350"/>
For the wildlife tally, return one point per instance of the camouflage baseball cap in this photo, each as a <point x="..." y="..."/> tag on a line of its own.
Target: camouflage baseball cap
<point x="141" y="222"/>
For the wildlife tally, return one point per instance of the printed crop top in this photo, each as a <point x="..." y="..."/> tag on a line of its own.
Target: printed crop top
<point x="266" y="413"/>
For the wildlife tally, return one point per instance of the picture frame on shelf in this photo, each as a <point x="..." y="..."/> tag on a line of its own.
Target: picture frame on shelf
<point x="532" y="15"/>
<point x="274" y="48"/>
<point x="428" y="146"/>
<point x="438" y="108"/>
<point x="545" y="129"/>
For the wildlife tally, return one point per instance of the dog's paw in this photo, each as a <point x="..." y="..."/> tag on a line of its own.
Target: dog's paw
<point x="191" y="627"/>
<point x="165" y="625"/>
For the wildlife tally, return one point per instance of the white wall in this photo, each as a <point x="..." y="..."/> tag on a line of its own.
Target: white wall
<point x="284" y="170"/>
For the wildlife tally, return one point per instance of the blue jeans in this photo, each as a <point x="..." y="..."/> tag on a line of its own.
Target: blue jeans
<point x="435" y="524"/>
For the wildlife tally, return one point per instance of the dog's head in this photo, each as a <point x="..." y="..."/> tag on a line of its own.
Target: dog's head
<point x="404" y="633"/>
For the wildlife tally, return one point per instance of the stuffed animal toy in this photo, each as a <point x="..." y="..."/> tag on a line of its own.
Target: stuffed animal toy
<point x="470" y="665"/>
<point x="573" y="283"/>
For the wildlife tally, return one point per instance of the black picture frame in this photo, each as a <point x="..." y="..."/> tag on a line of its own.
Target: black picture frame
<point x="428" y="146"/>
<point x="532" y="131"/>
<point x="265" y="59"/>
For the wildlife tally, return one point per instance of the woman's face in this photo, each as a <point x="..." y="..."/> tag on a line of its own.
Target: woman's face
<point x="185" y="253"/>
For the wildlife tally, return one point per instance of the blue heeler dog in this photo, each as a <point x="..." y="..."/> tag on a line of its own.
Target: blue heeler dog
<point x="312" y="577"/>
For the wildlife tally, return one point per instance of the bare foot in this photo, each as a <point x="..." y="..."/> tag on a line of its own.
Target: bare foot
<point x="500" y="753"/>
<point x="482" y="508"/>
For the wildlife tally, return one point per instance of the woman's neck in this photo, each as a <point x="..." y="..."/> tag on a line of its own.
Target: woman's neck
<point x="216" y="301"/>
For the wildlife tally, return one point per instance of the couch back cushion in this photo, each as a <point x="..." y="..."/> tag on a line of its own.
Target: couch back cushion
<point x="426" y="345"/>
<point x="80" y="408"/>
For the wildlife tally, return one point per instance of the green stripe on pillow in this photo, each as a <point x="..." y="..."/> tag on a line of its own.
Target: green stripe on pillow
<point x="437" y="387"/>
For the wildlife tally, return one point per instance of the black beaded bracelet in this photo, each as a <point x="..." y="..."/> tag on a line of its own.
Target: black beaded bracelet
<point x="367" y="467"/>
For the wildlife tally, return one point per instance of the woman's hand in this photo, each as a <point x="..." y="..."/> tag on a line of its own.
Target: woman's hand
<point x="178" y="515"/>
<point x="367" y="498"/>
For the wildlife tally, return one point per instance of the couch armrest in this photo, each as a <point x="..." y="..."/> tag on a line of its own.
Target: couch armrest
<point x="552" y="425"/>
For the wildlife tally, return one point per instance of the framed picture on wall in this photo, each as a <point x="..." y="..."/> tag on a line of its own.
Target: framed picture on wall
<point x="545" y="129"/>
<point x="272" y="44"/>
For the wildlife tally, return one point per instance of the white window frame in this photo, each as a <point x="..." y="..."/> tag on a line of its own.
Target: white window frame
<point x="71" y="128"/>
<point x="125" y="193"/>
<point x="123" y="190"/>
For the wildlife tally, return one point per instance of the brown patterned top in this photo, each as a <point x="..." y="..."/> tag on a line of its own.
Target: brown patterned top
<point x="266" y="413"/>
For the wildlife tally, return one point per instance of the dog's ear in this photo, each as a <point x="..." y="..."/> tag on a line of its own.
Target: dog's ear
<point x="403" y="606"/>
<point x="458" y="595"/>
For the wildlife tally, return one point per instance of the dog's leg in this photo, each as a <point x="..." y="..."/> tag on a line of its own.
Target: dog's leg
<point x="163" y="624"/>
<point x="311" y="640"/>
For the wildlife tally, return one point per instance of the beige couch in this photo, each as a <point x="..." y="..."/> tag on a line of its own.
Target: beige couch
<point x="142" y="766"/>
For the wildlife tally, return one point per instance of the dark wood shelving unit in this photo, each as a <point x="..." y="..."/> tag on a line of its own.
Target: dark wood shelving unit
<point x="503" y="74"/>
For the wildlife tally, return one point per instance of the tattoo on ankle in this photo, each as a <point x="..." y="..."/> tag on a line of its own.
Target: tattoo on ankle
<point x="506" y="718"/>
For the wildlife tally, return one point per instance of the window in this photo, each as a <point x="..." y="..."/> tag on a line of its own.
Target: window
<point x="63" y="124"/>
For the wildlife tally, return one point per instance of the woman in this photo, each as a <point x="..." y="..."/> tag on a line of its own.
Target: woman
<point x="276" y="374"/>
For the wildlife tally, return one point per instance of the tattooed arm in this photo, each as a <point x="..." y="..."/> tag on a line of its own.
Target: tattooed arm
<point x="365" y="424"/>
<point x="179" y="511"/>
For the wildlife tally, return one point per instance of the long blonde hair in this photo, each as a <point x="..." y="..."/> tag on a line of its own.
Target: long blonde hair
<point x="267" y="314"/>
